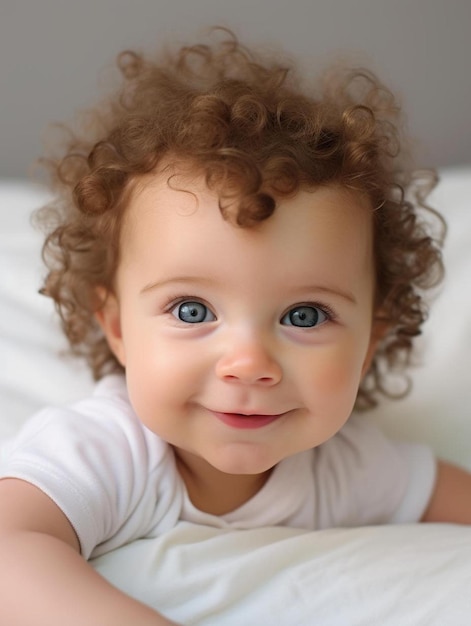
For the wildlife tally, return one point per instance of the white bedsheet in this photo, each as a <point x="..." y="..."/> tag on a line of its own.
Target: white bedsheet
<point x="377" y="576"/>
<point x="368" y="576"/>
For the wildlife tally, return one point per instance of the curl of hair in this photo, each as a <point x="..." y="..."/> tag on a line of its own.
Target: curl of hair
<point x="246" y="125"/>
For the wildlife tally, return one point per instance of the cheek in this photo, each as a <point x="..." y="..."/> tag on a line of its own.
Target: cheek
<point x="161" y="376"/>
<point x="334" y="374"/>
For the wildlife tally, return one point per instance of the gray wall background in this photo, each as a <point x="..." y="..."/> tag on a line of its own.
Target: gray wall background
<point x="53" y="55"/>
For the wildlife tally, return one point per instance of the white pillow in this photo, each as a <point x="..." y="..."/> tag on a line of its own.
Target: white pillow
<point x="32" y="373"/>
<point x="389" y="575"/>
<point x="437" y="411"/>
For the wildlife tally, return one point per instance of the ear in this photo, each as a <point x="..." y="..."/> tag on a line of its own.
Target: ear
<point x="379" y="329"/>
<point x="108" y="317"/>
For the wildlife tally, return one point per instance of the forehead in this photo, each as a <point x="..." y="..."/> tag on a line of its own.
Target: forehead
<point x="177" y="220"/>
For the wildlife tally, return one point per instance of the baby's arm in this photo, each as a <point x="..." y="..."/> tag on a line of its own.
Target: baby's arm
<point x="44" y="580"/>
<point x="451" y="499"/>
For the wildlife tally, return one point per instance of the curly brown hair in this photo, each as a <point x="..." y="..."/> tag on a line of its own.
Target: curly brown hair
<point x="257" y="135"/>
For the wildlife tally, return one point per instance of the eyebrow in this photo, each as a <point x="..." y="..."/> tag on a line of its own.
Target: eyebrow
<point x="332" y="291"/>
<point x="177" y="279"/>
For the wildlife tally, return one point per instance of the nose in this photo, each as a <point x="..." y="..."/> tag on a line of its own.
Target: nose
<point x="248" y="362"/>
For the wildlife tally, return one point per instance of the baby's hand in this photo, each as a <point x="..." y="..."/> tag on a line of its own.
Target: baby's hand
<point x="451" y="499"/>
<point x="43" y="573"/>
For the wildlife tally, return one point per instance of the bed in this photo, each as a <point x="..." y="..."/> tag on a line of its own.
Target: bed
<point x="383" y="575"/>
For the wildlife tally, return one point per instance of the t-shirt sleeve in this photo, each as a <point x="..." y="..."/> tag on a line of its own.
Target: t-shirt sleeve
<point x="104" y="470"/>
<point x="421" y="465"/>
<point x="364" y="478"/>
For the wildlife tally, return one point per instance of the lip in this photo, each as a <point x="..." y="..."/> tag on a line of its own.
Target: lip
<point x="239" y="420"/>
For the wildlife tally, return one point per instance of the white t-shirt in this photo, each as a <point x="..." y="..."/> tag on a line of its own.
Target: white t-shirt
<point x="116" y="481"/>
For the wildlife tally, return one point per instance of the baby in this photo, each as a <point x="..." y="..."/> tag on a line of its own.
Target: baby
<point x="242" y="263"/>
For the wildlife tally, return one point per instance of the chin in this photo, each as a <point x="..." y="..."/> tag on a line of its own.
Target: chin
<point x="246" y="465"/>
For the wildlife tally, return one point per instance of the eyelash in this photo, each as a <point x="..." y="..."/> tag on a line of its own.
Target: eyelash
<point x="173" y="301"/>
<point x="325" y="308"/>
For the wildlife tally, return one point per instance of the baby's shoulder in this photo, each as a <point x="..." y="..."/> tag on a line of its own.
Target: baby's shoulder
<point x="103" y="421"/>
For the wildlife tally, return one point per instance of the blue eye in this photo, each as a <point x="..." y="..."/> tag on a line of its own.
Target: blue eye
<point x="304" y="316"/>
<point x="193" y="312"/>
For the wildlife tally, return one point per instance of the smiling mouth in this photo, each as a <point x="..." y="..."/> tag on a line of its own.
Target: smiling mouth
<point x="240" y="420"/>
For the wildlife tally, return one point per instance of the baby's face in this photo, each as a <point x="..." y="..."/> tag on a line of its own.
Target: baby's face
<point x="243" y="346"/>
